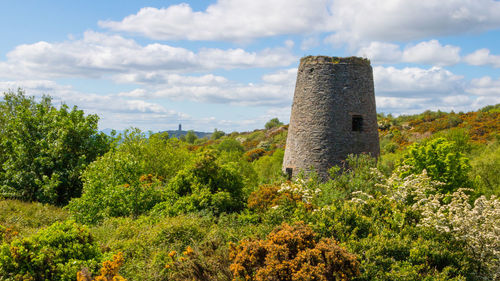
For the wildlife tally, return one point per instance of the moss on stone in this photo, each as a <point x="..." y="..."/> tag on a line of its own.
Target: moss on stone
<point x="334" y="60"/>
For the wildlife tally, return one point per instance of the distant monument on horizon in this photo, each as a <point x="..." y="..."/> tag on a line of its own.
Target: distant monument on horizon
<point x="333" y="114"/>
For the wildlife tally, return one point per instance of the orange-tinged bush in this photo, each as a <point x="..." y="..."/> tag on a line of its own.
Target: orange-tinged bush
<point x="7" y="234"/>
<point x="268" y="196"/>
<point x="250" y="144"/>
<point x="109" y="271"/>
<point x="254" y="154"/>
<point x="209" y="261"/>
<point x="291" y="253"/>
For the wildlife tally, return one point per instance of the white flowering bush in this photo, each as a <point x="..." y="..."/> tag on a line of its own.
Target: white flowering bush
<point x="301" y="187"/>
<point x="476" y="224"/>
<point x="409" y="189"/>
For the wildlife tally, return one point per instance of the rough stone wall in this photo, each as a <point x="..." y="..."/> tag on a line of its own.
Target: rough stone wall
<point x="329" y="93"/>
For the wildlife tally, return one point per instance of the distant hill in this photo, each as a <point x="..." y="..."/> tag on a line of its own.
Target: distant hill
<point x="179" y="133"/>
<point x="171" y="133"/>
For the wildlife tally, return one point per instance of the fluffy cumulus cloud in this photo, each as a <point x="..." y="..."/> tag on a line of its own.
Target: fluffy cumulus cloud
<point x="349" y="20"/>
<point x="233" y="20"/>
<point x="381" y="52"/>
<point x="275" y="89"/>
<point x="483" y="57"/>
<point x="412" y="90"/>
<point x="115" y="112"/>
<point x="355" y="21"/>
<point x="97" y="55"/>
<point x="427" y="52"/>
<point x="485" y="86"/>
<point x="164" y="77"/>
<point x="433" y="53"/>
<point x="416" y="82"/>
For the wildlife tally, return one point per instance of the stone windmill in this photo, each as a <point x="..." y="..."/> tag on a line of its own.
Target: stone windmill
<point x="333" y="114"/>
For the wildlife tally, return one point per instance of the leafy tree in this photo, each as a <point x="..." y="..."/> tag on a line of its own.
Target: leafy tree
<point x="204" y="186"/>
<point x="217" y="134"/>
<point x="442" y="161"/>
<point x="230" y="145"/>
<point x="129" y="179"/>
<point x="43" y="150"/>
<point x="275" y="122"/>
<point x="191" y="137"/>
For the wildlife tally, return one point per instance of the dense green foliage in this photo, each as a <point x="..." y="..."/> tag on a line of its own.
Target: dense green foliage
<point x="43" y="150"/>
<point x="442" y="161"/>
<point x="129" y="179"/>
<point x="55" y="253"/>
<point x="203" y="186"/>
<point x="275" y="122"/>
<point x="174" y="207"/>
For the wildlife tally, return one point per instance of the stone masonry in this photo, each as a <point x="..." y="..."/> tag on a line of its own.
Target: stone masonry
<point x="333" y="114"/>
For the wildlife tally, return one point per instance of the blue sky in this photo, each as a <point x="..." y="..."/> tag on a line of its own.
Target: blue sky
<point x="231" y="64"/>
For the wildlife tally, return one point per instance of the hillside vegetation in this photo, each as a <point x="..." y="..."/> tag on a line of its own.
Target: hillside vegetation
<point x="78" y="205"/>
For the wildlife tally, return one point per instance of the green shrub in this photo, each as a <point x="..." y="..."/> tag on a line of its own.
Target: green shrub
<point x="209" y="261"/>
<point x="275" y="122"/>
<point x="356" y="175"/>
<point x="26" y="218"/>
<point x="43" y="150"/>
<point x="203" y="186"/>
<point x="120" y="200"/>
<point x="217" y="134"/>
<point x="55" y="253"/>
<point x="390" y="245"/>
<point x="113" y="186"/>
<point x="147" y="241"/>
<point x="230" y="145"/>
<point x="486" y="170"/>
<point x="268" y="167"/>
<point x="442" y="161"/>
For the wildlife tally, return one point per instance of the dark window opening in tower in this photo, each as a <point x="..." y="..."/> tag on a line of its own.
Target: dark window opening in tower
<point x="289" y="173"/>
<point x="357" y="123"/>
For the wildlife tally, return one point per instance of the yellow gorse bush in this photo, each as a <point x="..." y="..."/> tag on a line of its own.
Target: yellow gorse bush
<point x="291" y="253"/>
<point x="109" y="271"/>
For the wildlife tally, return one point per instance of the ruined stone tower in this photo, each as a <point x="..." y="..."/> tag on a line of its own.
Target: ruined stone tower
<point x="333" y="114"/>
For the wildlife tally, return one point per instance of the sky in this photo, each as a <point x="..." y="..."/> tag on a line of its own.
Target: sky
<point x="232" y="64"/>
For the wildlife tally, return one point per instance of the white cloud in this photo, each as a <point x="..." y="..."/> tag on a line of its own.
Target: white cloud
<point x="276" y="89"/>
<point x="433" y="53"/>
<point x="233" y="20"/>
<point x="399" y="104"/>
<point x="413" y="90"/>
<point x="427" y="52"/>
<point x="483" y="57"/>
<point x="287" y="76"/>
<point x="416" y="82"/>
<point x="359" y="21"/>
<point x="98" y="54"/>
<point x="381" y="52"/>
<point x="352" y="20"/>
<point x="485" y="86"/>
<point x="114" y="112"/>
<point x="164" y="77"/>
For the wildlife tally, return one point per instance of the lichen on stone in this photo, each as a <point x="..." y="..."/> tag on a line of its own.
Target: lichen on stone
<point x="334" y="60"/>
